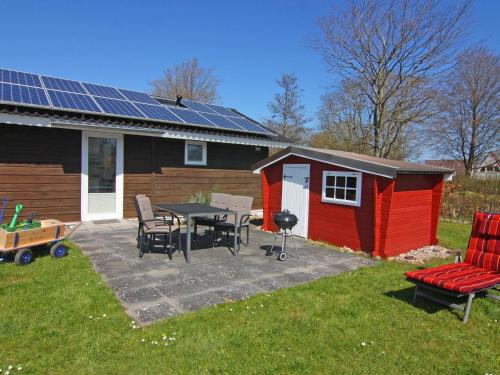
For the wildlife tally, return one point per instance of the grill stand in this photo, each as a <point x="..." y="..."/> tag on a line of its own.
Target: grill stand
<point x="284" y="233"/>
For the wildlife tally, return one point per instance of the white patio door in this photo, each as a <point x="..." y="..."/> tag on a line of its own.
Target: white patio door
<point x="295" y="195"/>
<point x="102" y="176"/>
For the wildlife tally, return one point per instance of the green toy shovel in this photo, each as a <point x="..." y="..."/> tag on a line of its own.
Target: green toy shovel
<point x="19" y="208"/>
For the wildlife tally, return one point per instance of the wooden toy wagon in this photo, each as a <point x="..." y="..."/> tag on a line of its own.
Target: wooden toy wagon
<point x="20" y="238"/>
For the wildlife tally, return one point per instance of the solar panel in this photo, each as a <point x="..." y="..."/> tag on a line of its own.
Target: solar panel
<point x="105" y="91"/>
<point x="157" y="112"/>
<point x="221" y="110"/>
<point x="22" y="94"/>
<point x="72" y="100"/>
<point x="118" y="107"/>
<point x="191" y="117"/>
<point x="63" y="85"/>
<point x="249" y="125"/>
<point x="138" y="97"/>
<point x="197" y="106"/>
<point x="31" y="89"/>
<point x="222" y="122"/>
<point x="26" y="79"/>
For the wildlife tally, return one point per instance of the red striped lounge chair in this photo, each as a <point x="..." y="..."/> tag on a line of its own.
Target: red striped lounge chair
<point x="472" y="277"/>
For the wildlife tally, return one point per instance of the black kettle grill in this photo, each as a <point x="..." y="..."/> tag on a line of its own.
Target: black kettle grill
<point x="285" y="220"/>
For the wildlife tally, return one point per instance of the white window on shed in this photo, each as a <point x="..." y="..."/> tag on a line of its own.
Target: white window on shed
<point x="195" y="153"/>
<point x="342" y="188"/>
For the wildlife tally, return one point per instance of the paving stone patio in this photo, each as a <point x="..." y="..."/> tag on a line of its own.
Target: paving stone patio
<point x="153" y="288"/>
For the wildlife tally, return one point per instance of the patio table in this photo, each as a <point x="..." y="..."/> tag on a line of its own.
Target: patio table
<point x="190" y="210"/>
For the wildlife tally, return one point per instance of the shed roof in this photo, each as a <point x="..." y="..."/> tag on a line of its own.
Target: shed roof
<point x="364" y="163"/>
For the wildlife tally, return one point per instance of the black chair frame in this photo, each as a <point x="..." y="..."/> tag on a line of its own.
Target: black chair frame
<point x="224" y="227"/>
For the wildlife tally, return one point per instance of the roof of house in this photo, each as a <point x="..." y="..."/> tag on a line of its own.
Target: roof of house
<point x="39" y="118"/>
<point x="495" y="155"/>
<point x="364" y="163"/>
<point x="80" y="102"/>
<point x="457" y="165"/>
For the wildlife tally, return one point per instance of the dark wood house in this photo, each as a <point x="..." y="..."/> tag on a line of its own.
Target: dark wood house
<point x="383" y="207"/>
<point x="76" y="151"/>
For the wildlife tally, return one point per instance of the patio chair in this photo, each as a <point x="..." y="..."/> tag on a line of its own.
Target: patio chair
<point x="243" y="206"/>
<point x="218" y="200"/>
<point x="150" y="227"/>
<point x="160" y="217"/>
<point x="473" y="277"/>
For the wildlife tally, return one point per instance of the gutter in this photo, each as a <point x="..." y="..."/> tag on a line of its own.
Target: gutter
<point x="16" y="119"/>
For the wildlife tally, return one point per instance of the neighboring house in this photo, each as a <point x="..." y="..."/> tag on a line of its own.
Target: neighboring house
<point x="489" y="167"/>
<point x="456" y="165"/>
<point x="77" y="151"/>
<point x="384" y="207"/>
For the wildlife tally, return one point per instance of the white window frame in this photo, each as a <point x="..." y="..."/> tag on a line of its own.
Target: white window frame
<point x="358" y="176"/>
<point x="204" y="153"/>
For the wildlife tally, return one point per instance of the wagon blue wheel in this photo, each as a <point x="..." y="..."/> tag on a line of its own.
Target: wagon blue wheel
<point x="23" y="257"/>
<point x="59" y="250"/>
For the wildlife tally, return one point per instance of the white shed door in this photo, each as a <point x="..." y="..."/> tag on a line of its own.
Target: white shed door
<point x="295" y="195"/>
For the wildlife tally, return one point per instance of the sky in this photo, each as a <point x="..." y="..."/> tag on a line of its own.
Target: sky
<point x="127" y="44"/>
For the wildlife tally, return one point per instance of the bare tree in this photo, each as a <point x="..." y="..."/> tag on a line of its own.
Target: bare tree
<point x="470" y="123"/>
<point x="343" y="120"/>
<point x="393" y="50"/>
<point x="188" y="79"/>
<point x="345" y="124"/>
<point x="288" y="116"/>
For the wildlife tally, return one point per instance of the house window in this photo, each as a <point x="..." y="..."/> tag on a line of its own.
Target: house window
<point x="195" y="153"/>
<point x="342" y="188"/>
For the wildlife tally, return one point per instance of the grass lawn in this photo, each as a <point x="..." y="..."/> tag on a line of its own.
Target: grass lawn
<point x="454" y="236"/>
<point x="319" y="327"/>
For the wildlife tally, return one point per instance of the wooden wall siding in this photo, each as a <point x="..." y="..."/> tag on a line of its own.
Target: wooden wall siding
<point x="339" y="224"/>
<point x="271" y="196"/>
<point x="383" y="189"/>
<point x="437" y="194"/>
<point x="148" y="155"/>
<point x="156" y="167"/>
<point x="412" y="222"/>
<point x="40" y="168"/>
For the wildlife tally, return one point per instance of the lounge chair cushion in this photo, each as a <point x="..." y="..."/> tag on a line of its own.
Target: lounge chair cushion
<point x="487" y="224"/>
<point x="484" y="244"/>
<point x="458" y="277"/>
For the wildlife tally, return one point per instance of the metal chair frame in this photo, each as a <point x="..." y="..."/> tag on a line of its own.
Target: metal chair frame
<point x="470" y="296"/>
<point x="149" y="236"/>
<point x="227" y="228"/>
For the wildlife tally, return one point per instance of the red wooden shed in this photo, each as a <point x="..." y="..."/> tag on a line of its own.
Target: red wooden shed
<point x="384" y="207"/>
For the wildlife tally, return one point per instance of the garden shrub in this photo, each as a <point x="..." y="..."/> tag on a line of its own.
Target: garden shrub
<point x="463" y="196"/>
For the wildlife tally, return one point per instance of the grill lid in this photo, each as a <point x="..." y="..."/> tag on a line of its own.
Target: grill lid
<point x="285" y="219"/>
